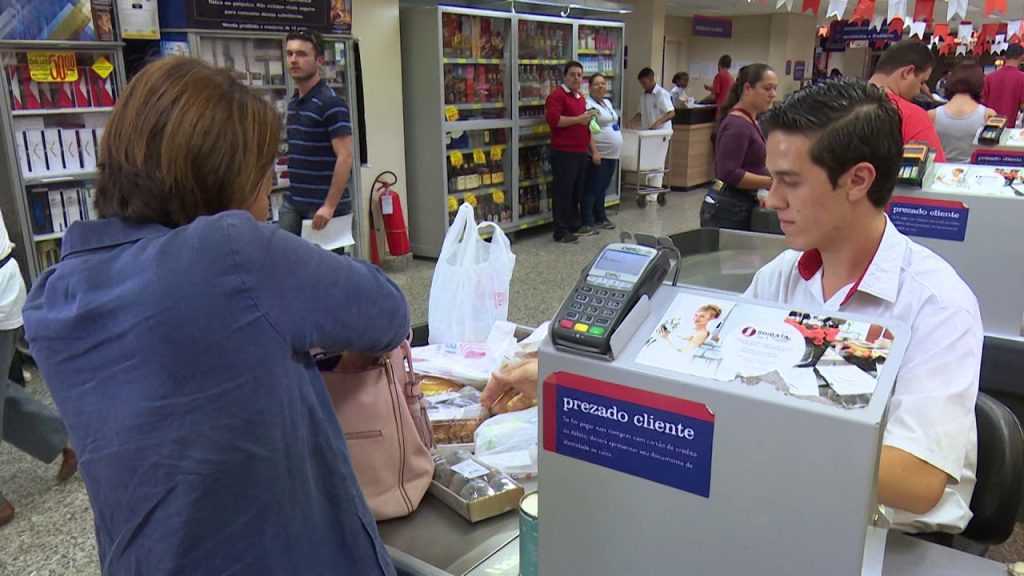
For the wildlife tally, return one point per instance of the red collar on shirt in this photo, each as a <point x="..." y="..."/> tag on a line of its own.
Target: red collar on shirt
<point x="810" y="263"/>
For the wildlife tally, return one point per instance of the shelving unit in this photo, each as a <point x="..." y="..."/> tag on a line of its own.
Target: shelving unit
<point x="52" y="124"/>
<point x="446" y="52"/>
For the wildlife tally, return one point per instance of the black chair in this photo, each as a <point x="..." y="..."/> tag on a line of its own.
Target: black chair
<point x="997" y="494"/>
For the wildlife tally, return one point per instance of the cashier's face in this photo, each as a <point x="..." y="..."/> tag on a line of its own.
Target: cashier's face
<point x="812" y="213"/>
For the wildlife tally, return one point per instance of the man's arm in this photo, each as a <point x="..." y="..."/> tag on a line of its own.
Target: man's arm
<point x="909" y="483"/>
<point x="342" y="170"/>
<point x="668" y="116"/>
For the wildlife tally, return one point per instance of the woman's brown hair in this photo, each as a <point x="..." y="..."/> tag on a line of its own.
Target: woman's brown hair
<point x="185" y="140"/>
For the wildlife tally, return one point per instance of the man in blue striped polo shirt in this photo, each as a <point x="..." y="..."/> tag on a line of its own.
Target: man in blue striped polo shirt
<point x="319" y="140"/>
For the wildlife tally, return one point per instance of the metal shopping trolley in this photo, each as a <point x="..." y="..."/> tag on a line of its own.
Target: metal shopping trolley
<point x="643" y="166"/>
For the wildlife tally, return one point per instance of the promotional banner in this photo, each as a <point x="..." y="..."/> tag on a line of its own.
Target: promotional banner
<point x="139" y="20"/>
<point x="75" y="20"/>
<point x="326" y="16"/>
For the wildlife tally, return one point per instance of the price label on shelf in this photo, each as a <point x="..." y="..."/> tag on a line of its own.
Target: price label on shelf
<point x="455" y="157"/>
<point x="102" y="67"/>
<point x="451" y="113"/>
<point x="496" y="152"/>
<point x="478" y="156"/>
<point x="498" y="196"/>
<point x="53" y="66"/>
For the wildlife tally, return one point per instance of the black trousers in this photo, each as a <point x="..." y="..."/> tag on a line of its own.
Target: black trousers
<point x="729" y="208"/>
<point x="570" y="173"/>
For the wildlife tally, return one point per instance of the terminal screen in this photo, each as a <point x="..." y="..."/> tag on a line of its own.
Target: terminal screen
<point x="620" y="262"/>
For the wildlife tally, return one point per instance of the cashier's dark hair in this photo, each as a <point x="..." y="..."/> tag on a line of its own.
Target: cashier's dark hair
<point x="850" y="121"/>
<point x="185" y="140"/>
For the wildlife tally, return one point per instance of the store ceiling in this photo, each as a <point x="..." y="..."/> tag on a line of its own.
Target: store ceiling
<point x="975" y="10"/>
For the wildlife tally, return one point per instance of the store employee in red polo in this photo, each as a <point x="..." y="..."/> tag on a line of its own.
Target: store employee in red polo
<point x="567" y="115"/>
<point x="901" y="71"/>
<point x="833" y="151"/>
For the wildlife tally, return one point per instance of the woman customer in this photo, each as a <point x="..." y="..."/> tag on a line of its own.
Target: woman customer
<point x="174" y="336"/>
<point x="959" y="120"/>
<point x="605" y="147"/>
<point x="740" y="151"/>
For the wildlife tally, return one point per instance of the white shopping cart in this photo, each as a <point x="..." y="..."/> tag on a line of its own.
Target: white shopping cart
<point x="643" y="164"/>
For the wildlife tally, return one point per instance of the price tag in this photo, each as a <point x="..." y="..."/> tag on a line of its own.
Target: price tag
<point x="102" y="67"/>
<point x="470" y="469"/>
<point x="53" y="66"/>
<point x="451" y="113"/>
<point x="498" y="196"/>
<point x="496" y="152"/>
<point x="478" y="156"/>
<point x="455" y="157"/>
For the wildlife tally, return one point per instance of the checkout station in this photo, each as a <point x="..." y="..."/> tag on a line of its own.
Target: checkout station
<point x="686" y="430"/>
<point x="697" y="432"/>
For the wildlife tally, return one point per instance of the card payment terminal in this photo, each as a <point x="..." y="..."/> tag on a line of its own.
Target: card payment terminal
<point x="605" y="294"/>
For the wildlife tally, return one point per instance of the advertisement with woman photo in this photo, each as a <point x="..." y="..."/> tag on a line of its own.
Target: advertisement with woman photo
<point x="822" y="358"/>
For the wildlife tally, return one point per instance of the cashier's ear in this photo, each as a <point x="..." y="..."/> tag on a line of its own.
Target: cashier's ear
<point x="857" y="182"/>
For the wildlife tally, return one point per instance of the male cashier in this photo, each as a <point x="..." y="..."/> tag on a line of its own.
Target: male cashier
<point x="319" y="140"/>
<point x="833" y="151"/>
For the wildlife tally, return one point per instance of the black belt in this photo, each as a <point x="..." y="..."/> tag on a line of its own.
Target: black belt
<point x="729" y="191"/>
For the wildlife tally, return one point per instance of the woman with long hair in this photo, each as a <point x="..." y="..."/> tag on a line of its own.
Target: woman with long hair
<point x="740" y="150"/>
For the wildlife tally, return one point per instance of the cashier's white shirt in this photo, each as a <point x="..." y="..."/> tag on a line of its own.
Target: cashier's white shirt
<point x="654" y="106"/>
<point x="931" y="413"/>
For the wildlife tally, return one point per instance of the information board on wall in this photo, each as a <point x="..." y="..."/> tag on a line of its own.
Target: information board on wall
<point x="327" y="16"/>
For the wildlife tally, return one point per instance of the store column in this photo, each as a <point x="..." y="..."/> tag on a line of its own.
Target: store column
<point x="645" y="39"/>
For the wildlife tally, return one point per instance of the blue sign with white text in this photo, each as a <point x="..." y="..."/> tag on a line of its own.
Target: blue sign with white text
<point x="620" y="428"/>
<point x="925" y="218"/>
<point x="711" y="26"/>
<point x="1013" y="159"/>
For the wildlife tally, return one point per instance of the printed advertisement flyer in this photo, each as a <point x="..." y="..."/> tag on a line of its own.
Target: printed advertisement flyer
<point x="825" y="359"/>
<point x="968" y="179"/>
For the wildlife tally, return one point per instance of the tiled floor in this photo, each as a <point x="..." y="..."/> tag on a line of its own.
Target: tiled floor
<point x="52" y="534"/>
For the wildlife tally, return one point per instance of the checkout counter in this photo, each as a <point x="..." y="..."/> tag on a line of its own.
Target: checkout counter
<point x="601" y="521"/>
<point x="693" y="154"/>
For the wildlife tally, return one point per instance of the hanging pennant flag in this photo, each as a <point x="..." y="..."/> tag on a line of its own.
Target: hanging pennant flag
<point x="924" y="10"/>
<point x="878" y="22"/>
<point x="957" y="8"/>
<point x="918" y="29"/>
<point x="965" y="32"/>
<point x="896" y="25"/>
<point x="836" y="8"/>
<point x="1013" y="31"/>
<point x="812" y="5"/>
<point x="940" y="34"/>
<point x="995" y="7"/>
<point x="865" y="10"/>
<point x="897" y="9"/>
<point x="988" y="31"/>
<point x="787" y="3"/>
<point x="961" y="49"/>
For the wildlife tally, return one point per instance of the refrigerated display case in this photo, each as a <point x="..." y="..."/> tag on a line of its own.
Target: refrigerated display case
<point x="57" y="99"/>
<point x="258" y="60"/>
<point x="482" y="77"/>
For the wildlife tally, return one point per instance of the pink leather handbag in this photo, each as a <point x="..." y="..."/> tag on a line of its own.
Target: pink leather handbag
<point x="384" y="418"/>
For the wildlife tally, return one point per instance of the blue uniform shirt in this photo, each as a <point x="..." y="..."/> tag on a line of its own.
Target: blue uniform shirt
<point x="313" y="121"/>
<point x="205" y="435"/>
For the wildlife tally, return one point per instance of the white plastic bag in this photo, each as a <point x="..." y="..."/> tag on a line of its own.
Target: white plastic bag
<point x="468" y="363"/>
<point x="509" y="442"/>
<point x="470" y="289"/>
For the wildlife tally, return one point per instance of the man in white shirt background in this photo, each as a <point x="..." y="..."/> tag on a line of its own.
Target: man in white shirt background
<point x="833" y="151"/>
<point x="656" y="109"/>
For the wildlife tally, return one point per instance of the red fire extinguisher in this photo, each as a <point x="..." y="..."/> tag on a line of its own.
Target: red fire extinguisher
<point x="386" y="220"/>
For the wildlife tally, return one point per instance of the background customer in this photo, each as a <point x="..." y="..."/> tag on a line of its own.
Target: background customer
<point x="567" y="115"/>
<point x="606" y="146"/>
<point x="740" y="151"/>
<point x="174" y="335"/>
<point x="1004" y="88"/>
<point x="958" y="121"/>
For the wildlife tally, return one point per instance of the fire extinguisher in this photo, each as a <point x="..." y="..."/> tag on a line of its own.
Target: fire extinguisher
<point x="386" y="220"/>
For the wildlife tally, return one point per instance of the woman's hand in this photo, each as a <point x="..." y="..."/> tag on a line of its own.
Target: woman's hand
<point x="518" y="377"/>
